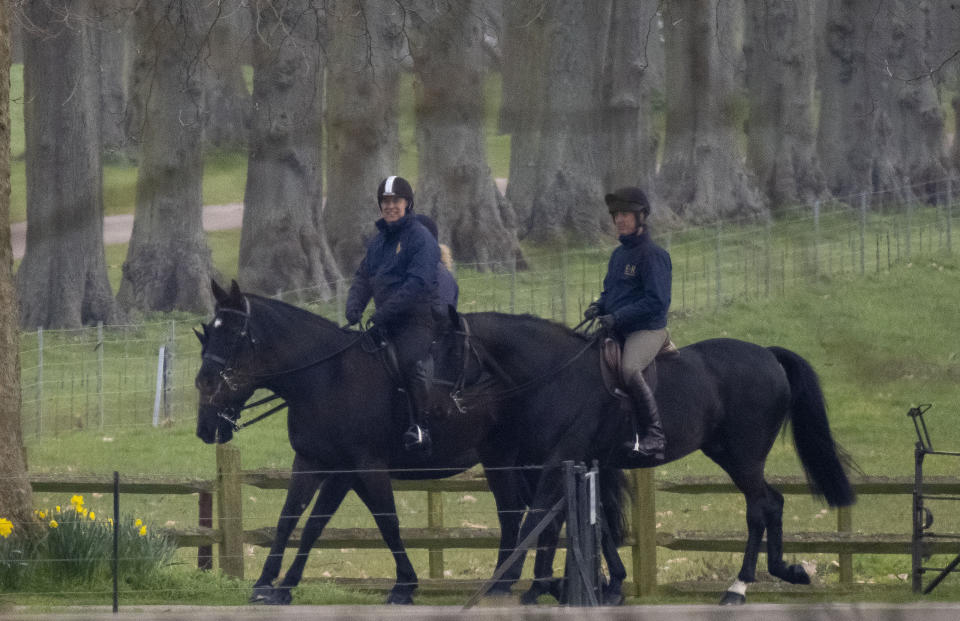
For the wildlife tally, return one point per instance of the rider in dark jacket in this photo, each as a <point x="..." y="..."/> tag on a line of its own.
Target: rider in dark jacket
<point x="633" y="305"/>
<point x="399" y="272"/>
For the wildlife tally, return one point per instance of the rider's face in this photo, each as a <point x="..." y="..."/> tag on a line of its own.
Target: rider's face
<point x="393" y="208"/>
<point x="626" y="222"/>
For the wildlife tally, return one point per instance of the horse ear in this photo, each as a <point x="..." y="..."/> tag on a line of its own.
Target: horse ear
<point x="218" y="293"/>
<point x="235" y="289"/>
<point x="454" y="315"/>
<point x="202" y="337"/>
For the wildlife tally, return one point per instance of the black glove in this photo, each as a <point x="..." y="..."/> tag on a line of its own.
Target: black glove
<point x="353" y="316"/>
<point x="592" y="311"/>
<point x="607" y="321"/>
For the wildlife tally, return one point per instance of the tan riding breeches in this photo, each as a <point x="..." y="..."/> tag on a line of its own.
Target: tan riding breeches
<point x="640" y="348"/>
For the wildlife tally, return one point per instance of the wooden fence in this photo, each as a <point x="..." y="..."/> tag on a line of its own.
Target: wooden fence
<point x="642" y="537"/>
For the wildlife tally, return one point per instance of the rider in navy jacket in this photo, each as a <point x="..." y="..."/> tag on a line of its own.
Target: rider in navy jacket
<point x="399" y="272"/>
<point x="633" y="306"/>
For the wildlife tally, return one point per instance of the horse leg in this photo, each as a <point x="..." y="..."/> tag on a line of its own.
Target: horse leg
<point x="794" y="574"/>
<point x="548" y="491"/>
<point x="332" y="493"/>
<point x="613" y="591"/>
<point x="504" y="484"/>
<point x="376" y="491"/>
<point x="303" y="485"/>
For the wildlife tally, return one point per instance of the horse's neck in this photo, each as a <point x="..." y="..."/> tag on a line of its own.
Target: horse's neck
<point x="518" y="344"/>
<point x="293" y="342"/>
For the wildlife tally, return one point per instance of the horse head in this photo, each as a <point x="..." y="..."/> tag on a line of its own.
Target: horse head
<point x="226" y="379"/>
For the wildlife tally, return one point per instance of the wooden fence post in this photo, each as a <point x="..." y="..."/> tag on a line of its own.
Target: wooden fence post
<point x="644" y="527"/>
<point x="435" y="520"/>
<point x="230" y="510"/>
<point x="845" y="525"/>
<point x="205" y="519"/>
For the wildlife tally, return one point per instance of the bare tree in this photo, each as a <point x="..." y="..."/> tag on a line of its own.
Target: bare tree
<point x="114" y="23"/>
<point x="703" y="177"/>
<point x="228" y="101"/>
<point x="781" y="71"/>
<point x="168" y="265"/>
<point x="362" y="126"/>
<point x="62" y="281"/>
<point x="571" y="158"/>
<point x="881" y="129"/>
<point x="456" y="187"/>
<point x="633" y="81"/>
<point x="282" y="245"/>
<point x="15" y="494"/>
<point x="521" y="102"/>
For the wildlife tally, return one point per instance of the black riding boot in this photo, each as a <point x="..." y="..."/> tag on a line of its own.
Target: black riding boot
<point x="417" y="436"/>
<point x="649" y="442"/>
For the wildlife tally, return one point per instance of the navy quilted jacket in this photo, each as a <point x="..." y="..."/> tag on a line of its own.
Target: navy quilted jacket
<point x="636" y="289"/>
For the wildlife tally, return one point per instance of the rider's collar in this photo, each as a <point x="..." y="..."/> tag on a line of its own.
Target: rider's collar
<point x="388" y="227"/>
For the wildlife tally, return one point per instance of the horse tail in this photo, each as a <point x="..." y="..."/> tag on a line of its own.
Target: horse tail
<point x="613" y="487"/>
<point x="824" y="462"/>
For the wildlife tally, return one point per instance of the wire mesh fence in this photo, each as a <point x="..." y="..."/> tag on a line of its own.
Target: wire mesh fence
<point x="114" y="376"/>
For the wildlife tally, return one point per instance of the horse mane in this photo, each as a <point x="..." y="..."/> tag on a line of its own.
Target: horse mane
<point x="547" y="328"/>
<point x="284" y="311"/>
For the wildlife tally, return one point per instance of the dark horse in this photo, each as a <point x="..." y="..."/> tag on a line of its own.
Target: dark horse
<point x="727" y="398"/>
<point x="344" y="423"/>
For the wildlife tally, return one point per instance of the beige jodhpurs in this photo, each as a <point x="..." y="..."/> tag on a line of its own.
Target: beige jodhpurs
<point x="640" y="348"/>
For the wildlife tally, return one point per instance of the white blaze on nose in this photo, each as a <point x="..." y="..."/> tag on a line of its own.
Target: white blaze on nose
<point x="217" y="322"/>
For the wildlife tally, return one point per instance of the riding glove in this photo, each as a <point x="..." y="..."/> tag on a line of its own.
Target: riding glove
<point x="607" y="321"/>
<point x="353" y="317"/>
<point x="592" y="311"/>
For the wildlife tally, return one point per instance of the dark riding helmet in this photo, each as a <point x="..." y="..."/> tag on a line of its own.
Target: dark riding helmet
<point x="628" y="199"/>
<point x="395" y="186"/>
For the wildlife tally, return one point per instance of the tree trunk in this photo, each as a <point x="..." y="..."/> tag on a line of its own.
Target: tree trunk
<point x="168" y="265"/>
<point x="282" y="245"/>
<point x="881" y="127"/>
<point x="568" y="198"/>
<point x="226" y="94"/>
<point x="634" y="77"/>
<point x="781" y="71"/>
<point x="362" y="130"/>
<point x="62" y="280"/>
<point x="703" y="177"/>
<point x="456" y="187"/>
<point x="521" y="102"/>
<point x="16" y="499"/>
<point x="114" y="53"/>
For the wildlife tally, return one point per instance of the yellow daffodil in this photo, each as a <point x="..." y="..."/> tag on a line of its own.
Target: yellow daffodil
<point x="110" y="520"/>
<point x="92" y="515"/>
<point x="143" y="531"/>
<point x="41" y="514"/>
<point x="76" y="500"/>
<point x="6" y="527"/>
<point x="58" y="508"/>
<point x="53" y="524"/>
<point x="139" y="522"/>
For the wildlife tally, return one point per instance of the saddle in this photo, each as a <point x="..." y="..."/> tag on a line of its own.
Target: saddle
<point x="611" y="367"/>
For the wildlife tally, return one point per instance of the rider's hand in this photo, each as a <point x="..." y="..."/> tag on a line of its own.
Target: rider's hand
<point x="607" y="321"/>
<point x="592" y="311"/>
<point x="353" y="317"/>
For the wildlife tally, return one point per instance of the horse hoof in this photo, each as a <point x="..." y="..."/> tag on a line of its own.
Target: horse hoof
<point x="796" y="574"/>
<point x="530" y="597"/>
<point x="613" y="598"/>
<point x="733" y="599"/>
<point x="400" y="598"/>
<point x="279" y="597"/>
<point x="261" y="594"/>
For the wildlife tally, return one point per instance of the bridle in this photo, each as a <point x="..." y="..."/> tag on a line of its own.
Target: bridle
<point x="228" y="373"/>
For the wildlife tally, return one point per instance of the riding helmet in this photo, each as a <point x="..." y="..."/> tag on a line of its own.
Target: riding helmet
<point x="628" y="199"/>
<point x="395" y="186"/>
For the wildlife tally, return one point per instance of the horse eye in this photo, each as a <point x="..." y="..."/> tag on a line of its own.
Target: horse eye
<point x="217" y="322"/>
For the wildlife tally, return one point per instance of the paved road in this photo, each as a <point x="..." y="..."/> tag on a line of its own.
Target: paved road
<point x="750" y="612"/>
<point x="117" y="229"/>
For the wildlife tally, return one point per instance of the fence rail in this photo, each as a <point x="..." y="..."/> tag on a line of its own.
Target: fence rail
<point x="642" y="536"/>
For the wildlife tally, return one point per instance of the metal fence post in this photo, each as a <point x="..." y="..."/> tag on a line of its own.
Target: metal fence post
<point x="39" y="380"/>
<point x="230" y="510"/>
<point x="99" y="349"/>
<point x="949" y="215"/>
<point x="863" y="231"/>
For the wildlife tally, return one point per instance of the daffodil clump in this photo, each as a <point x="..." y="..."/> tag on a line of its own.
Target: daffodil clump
<point x="77" y="544"/>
